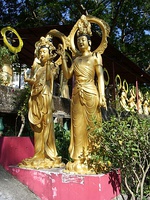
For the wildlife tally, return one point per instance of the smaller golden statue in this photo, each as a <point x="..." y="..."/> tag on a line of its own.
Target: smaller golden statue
<point x="132" y="99"/>
<point x="124" y="99"/>
<point x="140" y="102"/>
<point x="41" y="107"/>
<point x="145" y="107"/>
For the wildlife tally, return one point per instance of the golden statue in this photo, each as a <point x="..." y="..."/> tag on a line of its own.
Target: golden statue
<point x="140" y="102"/>
<point x="145" y="107"/>
<point x="132" y="99"/>
<point x="87" y="96"/>
<point x="146" y="104"/>
<point x="41" y="107"/>
<point x="123" y="96"/>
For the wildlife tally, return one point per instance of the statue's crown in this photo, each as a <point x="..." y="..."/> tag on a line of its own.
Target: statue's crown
<point x="44" y="42"/>
<point x="84" y="27"/>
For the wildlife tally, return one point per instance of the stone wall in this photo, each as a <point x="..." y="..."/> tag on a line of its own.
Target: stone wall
<point x="10" y="99"/>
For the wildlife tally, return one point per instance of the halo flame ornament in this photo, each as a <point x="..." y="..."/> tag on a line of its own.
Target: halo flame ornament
<point x="118" y="82"/>
<point x="77" y="27"/>
<point x="8" y="44"/>
<point x="107" y="75"/>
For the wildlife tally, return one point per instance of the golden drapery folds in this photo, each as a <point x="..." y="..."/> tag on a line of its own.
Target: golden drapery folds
<point x="87" y="95"/>
<point x="41" y="107"/>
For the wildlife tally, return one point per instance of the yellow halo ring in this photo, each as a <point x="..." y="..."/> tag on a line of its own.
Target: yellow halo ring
<point x="108" y="78"/>
<point x="125" y="85"/>
<point x="119" y="85"/>
<point x="105" y="33"/>
<point x="10" y="47"/>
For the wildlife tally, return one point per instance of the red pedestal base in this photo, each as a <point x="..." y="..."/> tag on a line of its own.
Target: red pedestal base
<point x="14" y="149"/>
<point x="54" y="184"/>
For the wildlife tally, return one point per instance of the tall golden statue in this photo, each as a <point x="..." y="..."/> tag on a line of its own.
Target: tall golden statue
<point x="41" y="107"/>
<point x="87" y="96"/>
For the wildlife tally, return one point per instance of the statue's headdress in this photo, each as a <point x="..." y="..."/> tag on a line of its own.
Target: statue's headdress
<point x="44" y="42"/>
<point x="84" y="27"/>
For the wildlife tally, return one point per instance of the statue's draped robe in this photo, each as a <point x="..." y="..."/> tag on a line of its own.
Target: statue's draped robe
<point x="40" y="116"/>
<point x="84" y="108"/>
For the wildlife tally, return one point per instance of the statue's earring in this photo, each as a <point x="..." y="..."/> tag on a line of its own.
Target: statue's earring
<point x="89" y="42"/>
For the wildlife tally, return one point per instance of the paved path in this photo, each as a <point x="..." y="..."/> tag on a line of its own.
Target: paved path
<point x="12" y="189"/>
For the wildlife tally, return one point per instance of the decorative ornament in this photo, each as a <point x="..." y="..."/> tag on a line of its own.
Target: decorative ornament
<point x="44" y="42"/>
<point x="8" y="43"/>
<point x="108" y="78"/>
<point x="125" y="85"/>
<point x="83" y="26"/>
<point x="118" y="82"/>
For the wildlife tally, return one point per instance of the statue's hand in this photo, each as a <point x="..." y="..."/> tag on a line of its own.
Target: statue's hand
<point x="102" y="102"/>
<point x="60" y="51"/>
<point x="25" y="76"/>
<point x="26" y="79"/>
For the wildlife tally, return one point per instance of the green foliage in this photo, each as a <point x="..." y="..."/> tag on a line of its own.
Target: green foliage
<point x="14" y="129"/>
<point x="22" y="113"/>
<point x="97" y="159"/>
<point x="24" y="99"/>
<point x="125" y="142"/>
<point x="129" y="20"/>
<point x="6" y="57"/>
<point x="62" y="141"/>
<point x="1" y="78"/>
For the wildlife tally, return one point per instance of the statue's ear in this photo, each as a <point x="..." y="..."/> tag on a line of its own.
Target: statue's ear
<point x="90" y="42"/>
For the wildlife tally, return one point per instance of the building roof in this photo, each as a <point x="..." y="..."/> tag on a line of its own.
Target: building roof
<point x="113" y="60"/>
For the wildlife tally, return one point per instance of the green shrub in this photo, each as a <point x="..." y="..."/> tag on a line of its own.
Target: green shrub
<point x="62" y="141"/>
<point x="125" y="142"/>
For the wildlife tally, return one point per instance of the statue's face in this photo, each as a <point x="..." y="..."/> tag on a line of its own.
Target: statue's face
<point x="82" y="43"/>
<point x="44" y="55"/>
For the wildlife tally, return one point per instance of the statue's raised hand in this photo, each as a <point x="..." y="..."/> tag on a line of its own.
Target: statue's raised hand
<point x="60" y="51"/>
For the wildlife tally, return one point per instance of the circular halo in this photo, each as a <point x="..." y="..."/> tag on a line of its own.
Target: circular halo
<point x="108" y="78"/>
<point x="105" y="33"/>
<point x="125" y="85"/>
<point x="132" y="90"/>
<point x="119" y="85"/>
<point x="10" y="47"/>
<point x="64" y="39"/>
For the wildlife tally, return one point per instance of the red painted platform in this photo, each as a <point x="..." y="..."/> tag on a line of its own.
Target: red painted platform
<point x="54" y="184"/>
<point x="14" y="149"/>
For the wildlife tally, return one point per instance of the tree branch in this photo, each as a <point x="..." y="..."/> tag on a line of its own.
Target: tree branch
<point x="114" y="20"/>
<point x="143" y="179"/>
<point x="130" y="191"/>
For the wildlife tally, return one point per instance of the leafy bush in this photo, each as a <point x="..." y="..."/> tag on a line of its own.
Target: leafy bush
<point x="62" y="141"/>
<point x="125" y="142"/>
<point x="6" y="56"/>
